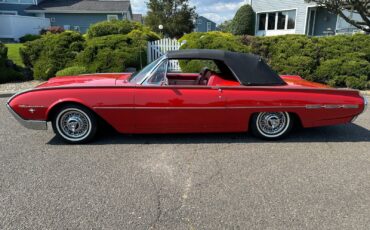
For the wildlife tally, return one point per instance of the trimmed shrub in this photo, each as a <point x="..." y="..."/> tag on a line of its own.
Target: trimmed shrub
<point x="214" y="40"/>
<point x="29" y="37"/>
<point x="244" y="21"/>
<point x="120" y="27"/>
<point x="210" y="40"/>
<point x="72" y="71"/>
<point x="113" y="53"/>
<point x="51" y="53"/>
<point x="7" y="73"/>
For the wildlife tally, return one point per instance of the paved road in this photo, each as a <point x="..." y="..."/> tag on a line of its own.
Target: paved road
<point x="317" y="179"/>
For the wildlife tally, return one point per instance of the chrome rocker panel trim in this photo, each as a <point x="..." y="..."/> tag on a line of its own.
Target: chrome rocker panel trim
<point x="29" y="124"/>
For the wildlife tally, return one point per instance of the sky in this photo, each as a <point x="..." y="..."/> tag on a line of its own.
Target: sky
<point x="216" y="10"/>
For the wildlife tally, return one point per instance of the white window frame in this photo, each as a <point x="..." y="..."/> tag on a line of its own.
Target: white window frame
<point x="10" y="12"/>
<point x="111" y="17"/>
<point x="19" y="2"/>
<point x="275" y="31"/>
<point x="52" y="19"/>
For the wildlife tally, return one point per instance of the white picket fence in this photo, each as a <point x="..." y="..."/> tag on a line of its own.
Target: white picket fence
<point x="157" y="49"/>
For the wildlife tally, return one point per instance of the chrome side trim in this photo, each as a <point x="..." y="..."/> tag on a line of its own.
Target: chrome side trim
<point x="30" y="124"/>
<point x="239" y="107"/>
<point x="332" y="106"/>
<point x="203" y="108"/>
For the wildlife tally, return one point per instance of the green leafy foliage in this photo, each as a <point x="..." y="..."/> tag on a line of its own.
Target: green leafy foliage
<point x="7" y="73"/>
<point x="244" y="21"/>
<point x="341" y="61"/>
<point x="114" y="53"/>
<point x="176" y="16"/>
<point x="51" y="53"/>
<point x="225" y="27"/>
<point x="210" y="40"/>
<point x="29" y="37"/>
<point x="120" y="27"/>
<point x="72" y="71"/>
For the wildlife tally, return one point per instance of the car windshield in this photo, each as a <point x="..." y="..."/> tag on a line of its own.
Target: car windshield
<point x="140" y="76"/>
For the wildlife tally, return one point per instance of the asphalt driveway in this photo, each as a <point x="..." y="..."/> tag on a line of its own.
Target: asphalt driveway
<point x="317" y="179"/>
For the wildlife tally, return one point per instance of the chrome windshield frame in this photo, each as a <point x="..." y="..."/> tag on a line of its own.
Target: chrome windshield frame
<point x="161" y="59"/>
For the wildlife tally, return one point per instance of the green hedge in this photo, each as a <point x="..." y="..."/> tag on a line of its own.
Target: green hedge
<point x="51" y="53"/>
<point x="72" y="71"/>
<point x="8" y="73"/>
<point x="29" y="37"/>
<point x="108" y="47"/>
<point x="340" y="61"/>
<point x="210" y="40"/>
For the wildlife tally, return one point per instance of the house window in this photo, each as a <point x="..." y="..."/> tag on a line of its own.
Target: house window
<point x="291" y="19"/>
<point x="262" y="21"/>
<point x="199" y="21"/>
<point x="52" y="19"/>
<point x="76" y="28"/>
<point x="111" y="17"/>
<point x="209" y="26"/>
<point x="271" y="21"/>
<point x="281" y="20"/>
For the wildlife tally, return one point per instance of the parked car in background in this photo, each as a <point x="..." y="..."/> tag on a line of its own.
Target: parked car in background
<point x="233" y="92"/>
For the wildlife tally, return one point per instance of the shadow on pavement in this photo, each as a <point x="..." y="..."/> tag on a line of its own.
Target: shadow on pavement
<point x="340" y="133"/>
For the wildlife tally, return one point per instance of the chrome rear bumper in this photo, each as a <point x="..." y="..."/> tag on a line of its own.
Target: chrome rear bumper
<point x="30" y="124"/>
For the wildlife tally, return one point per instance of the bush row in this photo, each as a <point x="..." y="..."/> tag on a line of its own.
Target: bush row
<point x="341" y="61"/>
<point x="8" y="70"/>
<point x="108" y="47"/>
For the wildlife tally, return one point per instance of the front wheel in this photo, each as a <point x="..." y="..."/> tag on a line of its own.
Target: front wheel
<point x="75" y="124"/>
<point x="271" y="125"/>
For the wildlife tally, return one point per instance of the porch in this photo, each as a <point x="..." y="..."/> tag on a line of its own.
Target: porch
<point x="15" y="26"/>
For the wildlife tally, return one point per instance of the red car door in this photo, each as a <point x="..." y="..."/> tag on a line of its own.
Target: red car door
<point x="185" y="109"/>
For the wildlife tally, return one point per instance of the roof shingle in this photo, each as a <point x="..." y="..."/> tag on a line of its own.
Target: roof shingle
<point x="70" y="6"/>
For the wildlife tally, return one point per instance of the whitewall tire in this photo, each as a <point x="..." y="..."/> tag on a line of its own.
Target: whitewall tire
<point x="271" y="125"/>
<point x="75" y="124"/>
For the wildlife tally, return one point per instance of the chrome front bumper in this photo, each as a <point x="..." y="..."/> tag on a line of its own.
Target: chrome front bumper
<point x="30" y="124"/>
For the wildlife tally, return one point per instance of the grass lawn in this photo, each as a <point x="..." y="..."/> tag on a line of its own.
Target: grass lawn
<point x="13" y="53"/>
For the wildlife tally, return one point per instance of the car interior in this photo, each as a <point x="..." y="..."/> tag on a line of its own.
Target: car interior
<point x="210" y="74"/>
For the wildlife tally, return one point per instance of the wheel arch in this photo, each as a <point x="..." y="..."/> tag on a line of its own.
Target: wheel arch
<point x="297" y="122"/>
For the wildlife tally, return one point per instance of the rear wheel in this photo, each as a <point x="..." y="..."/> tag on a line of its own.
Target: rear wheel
<point x="75" y="124"/>
<point x="271" y="125"/>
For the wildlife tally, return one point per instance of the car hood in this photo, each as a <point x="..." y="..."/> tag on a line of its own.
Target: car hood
<point x="106" y="79"/>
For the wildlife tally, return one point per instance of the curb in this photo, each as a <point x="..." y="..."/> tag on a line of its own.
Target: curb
<point x="6" y="94"/>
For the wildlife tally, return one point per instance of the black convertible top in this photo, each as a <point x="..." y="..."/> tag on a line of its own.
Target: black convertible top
<point x="249" y="69"/>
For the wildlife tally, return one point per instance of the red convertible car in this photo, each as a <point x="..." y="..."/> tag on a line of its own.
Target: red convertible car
<point x="236" y="93"/>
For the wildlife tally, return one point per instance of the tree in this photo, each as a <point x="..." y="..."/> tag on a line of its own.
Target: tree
<point x="225" y="26"/>
<point x="176" y="16"/>
<point x="244" y="21"/>
<point x="362" y="7"/>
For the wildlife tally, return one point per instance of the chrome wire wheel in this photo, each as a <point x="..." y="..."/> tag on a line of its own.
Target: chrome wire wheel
<point x="73" y="124"/>
<point x="272" y="124"/>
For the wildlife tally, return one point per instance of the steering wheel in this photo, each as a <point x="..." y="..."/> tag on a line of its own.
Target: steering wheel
<point x="203" y="76"/>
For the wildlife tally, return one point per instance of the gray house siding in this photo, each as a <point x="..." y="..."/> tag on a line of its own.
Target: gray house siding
<point x="16" y="7"/>
<point x="276" y="5"/>
<point x="201" y="25"/>
<point x="310" y="19"/>
<point x="83" y="21"/>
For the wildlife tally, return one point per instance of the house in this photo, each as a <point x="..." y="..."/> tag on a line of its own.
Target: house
<point x="16" y="22"/>
<point x="278" y="17"/>
<point x="80" y="14"/>
<point x="204" y="25"/>
<point x="138" y="18"/>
